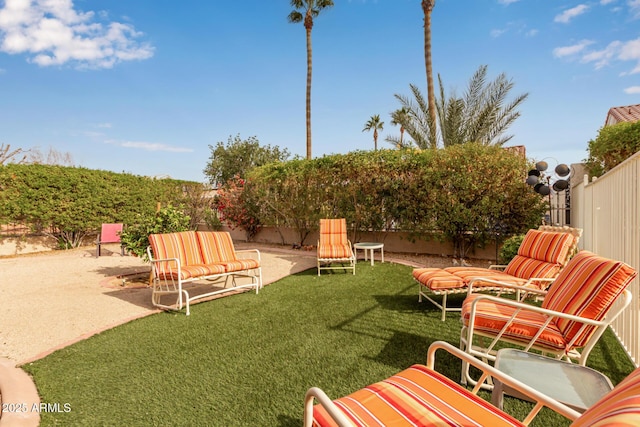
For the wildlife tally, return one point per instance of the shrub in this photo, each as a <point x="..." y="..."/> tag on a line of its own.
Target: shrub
<point x="510" y="248"/>
<point x="135" y="237"/>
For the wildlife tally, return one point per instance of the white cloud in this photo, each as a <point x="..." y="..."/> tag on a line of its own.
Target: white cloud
<point x="606" y="2"/>
<point x="507" y="2"/>
<point x="603" y="57"/>
<point x="497" y="33"/>
<point x="632" y="90"/>
<point x="634" y="7"/>
<point x="561" y="52"/>
<point x="54" y="33"/>
<point x="569" y="14"/>
<point x="149" y="146"/>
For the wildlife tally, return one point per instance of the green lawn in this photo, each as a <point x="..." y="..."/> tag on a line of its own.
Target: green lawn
<point x="248" y="359"/>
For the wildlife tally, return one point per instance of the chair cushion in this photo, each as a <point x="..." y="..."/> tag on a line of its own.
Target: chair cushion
<point x="333" y="232"/>
<point x="491" y="318"/>
<point x="437" y="279"/>
<point x="541" y="254"/>
<point x="216" y="246"/>
<point x="548" y="246"/>
<point x="587" y="287"/>
<point x="240" y="265"/>
<point x="336" y="251"/>
<point x="183" y="246"/>
<point x="416" y="396"/>
<point x="620" y="407"/>
<point x="191" y="271"/>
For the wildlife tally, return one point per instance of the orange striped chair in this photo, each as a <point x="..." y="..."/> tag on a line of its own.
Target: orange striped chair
<point x="185" y="257"/>
<point x="420" y="396"/>
<point x="540" y="258"/>
<point x="334" y="246"/>
<point x="588" y="294"/>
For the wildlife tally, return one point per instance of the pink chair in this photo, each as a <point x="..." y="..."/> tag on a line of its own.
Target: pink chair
<point x="110" y="233"/>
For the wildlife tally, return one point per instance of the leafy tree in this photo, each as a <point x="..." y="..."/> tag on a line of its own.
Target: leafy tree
<point x="481" y="115"/>
<point x="613" y="145"/>
<point x="237" y="207"/>
<point x="427" y="9"/>
<point x="305" y="12"/>
<point x="375" y="124"/>
<point x="238" y="156"/>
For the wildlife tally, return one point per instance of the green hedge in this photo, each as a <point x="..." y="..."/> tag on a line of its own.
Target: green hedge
<point x="465" y="193"/>
<point x="71" y="203"/>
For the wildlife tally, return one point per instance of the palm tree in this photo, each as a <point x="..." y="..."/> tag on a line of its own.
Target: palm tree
<point x="375" y="124"/>
<point x="310" y="10"/>
<point x="398" y="118"/>
<point x="427" y="8"/>
<point x="482" y="114"/>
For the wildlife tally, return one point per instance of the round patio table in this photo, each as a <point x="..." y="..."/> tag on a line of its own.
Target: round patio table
<point x="369" y="246"/>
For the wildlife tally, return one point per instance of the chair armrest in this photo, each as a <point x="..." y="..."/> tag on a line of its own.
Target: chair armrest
<point x="327" y="404"/>
<point x="497" y="267"/>
<point x="524" y="287"/>
<point x="533" y="308"/>
<point x="244" y="252"/>
<point x="541" y="400"/>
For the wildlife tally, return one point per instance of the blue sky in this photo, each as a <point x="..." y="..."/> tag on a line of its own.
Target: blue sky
<point x="145" y="86"/>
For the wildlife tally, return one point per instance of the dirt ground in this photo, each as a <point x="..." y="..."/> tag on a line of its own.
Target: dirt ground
<point x="53" y="299"/>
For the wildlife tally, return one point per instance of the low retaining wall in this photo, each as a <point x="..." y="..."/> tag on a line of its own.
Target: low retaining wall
<point x="393" y="242"/>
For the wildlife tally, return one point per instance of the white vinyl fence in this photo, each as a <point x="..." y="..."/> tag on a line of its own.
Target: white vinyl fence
<point x="608" y="210"/>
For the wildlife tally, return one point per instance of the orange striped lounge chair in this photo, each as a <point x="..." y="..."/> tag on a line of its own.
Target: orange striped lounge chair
<point x="540" y="258"/>
<point x="420" y="396"/>
<point x="334" y="246"/>
<point x="588" y="294"/>
<point x="182" y="258"/>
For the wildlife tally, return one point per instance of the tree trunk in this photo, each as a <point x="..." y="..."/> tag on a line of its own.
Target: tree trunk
<point x="427" y="7"/>
<point x="309" y="67"/>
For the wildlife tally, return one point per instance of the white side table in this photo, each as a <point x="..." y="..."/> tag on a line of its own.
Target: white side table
<point x="577" y="386"/>
<point x="369" y="246"/>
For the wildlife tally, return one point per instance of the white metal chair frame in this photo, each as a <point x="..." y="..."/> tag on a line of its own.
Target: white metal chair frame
<point x="488" y="372"/>
<point x="488" y="352"/>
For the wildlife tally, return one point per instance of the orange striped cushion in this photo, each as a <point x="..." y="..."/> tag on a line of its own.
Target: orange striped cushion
<point x="620" y="407"/>
<point x="527" y="268"/>
<point x="240" y="265"/>
<point x="335" y="251"/>
<point x="437" y="278"/>
<point x="216" y="246"/>
<point x="182" y="245"/>
<point x="189" y="271"/>
<point x="587" y="287"/>
<point x="491" y="318"/>
<point x="416" y="397"/>
<point x="546" y="246"/>
<point x="333" y="232"/>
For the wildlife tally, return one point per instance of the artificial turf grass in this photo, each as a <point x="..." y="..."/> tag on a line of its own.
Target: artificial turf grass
<point x="248" y="359"/>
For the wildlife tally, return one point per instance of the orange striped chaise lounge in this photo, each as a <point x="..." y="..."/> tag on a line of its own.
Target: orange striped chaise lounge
<point x="334" y="246"/>
<point x="420" y="396"/>
<point x="540" y="258"/>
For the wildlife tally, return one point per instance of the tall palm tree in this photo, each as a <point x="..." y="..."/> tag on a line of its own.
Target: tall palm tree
<point x="305" y="11"/>
<point x="398" y="118"/>
<point x="374" y="124"/>
<point x="427" y="8"/>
